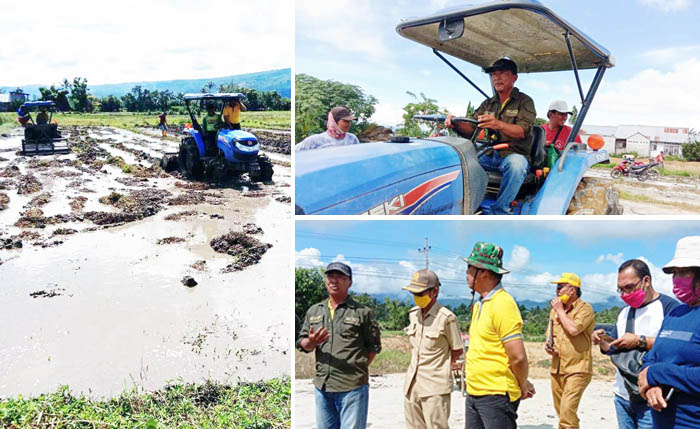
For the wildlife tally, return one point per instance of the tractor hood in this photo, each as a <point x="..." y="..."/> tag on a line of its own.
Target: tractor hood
<point x="524" y="30"/>
<point x="419" y="177"/>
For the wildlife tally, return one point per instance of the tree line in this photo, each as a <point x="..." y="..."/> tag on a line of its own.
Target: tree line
<point x="75" y="96"/>
<point x="392" y="314"/>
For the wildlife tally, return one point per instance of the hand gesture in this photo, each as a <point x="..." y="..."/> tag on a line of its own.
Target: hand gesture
<point x="527" y="391"/>
<point x="549" y="348"/>
<point x="316" y="338"/>
<point x="628" y="341"/>
<point x="557" y="305"/>
<point x="655" y="398"/>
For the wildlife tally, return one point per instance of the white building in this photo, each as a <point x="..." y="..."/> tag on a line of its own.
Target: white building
<point x="645" y="140"/>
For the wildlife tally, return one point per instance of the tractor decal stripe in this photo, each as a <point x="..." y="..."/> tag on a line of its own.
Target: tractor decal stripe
<point x="426" y="190"/>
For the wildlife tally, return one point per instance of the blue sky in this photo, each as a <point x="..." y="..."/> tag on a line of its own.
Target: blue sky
<point x="384" y="254"/>
<point x="132" y="40"/>
<point x="656" y="44"/>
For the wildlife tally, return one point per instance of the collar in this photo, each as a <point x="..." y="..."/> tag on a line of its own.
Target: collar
<point x="514" y="95"/>
<point x="349" y="302"/>
<point x="493" y="292"/>
<point x="432" y="312"/>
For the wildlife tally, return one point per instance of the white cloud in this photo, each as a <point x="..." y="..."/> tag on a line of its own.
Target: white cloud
<point x="519" y="259"/>
<point x="667" y="5"/>
<point x="672" y="55"/>
<point x="651" y="97"/>
<point x="616" y="259"/>
<point x="308" y="257"/>
<point x="590" y="231"/>
<point x="387" y="114"/>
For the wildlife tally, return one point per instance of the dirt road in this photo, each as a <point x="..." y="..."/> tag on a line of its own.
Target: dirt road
<point x="680" y="196"/>
<point x="386" y="405"/>
<point x="94" y="246"/>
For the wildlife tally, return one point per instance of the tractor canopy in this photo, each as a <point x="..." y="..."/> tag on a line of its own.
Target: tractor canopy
<point x="215" y="96"/>
<point x="30" y="104"/>
<point x="525" y="30"/>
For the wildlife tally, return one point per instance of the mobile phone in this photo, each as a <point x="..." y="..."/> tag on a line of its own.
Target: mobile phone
<point x="607" y="338"/>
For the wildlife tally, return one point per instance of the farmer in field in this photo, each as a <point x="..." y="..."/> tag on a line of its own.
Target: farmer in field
<point x="555" y="131"/>
<point x="337" y="131"/>
<point x="23" y="116"/>
<point x="569" y="342"/>
<point x="436" y="344"/>
<point x="496" y="368"/>
<point x="232" y="114"/>
<point x="211" y="122"/>
<point x="512" y="114"/>
<point x="163" y="125"/>
<point x="42" y="118"/>
<point x="345" y="337"/>
<point x="637" y="327"/>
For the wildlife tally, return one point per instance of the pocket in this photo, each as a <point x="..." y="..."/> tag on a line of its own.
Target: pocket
<point x="350" y="327"/>
<point x="432" y="338"/>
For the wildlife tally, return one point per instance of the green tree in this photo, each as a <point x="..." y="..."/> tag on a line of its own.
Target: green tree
<point x="422" y="106"/>
<point x="110" y="104"/>
<point x="691" y="151"/>
<point x="57" y="95"/>
<point x="574" y="114"/>
<point x="309" y="288"/>
<point x="314" y="98"/>
<point x="78" y="94"/>
<point x="396" y="314"/>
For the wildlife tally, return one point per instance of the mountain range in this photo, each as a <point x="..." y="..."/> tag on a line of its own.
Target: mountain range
<point x="271" y="80"/>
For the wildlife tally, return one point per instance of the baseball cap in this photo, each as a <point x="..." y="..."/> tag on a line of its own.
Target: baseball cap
<point x="559" y="106"/>
<point x="421" y="281"/>
<point x="340" y="267"/>
<point x="340" y="112"/>
<point x="503" y="63"/>
<point x="569" y="278"/>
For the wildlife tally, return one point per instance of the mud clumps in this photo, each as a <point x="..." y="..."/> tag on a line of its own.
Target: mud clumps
<point x="64" y="231"/>
<point x="47" y="293"/>
<point x="189" y="281"/>
<point x="283" y="199"/>
<point x="137" y="205"/>
<point x="246" y="250"/>
<point x="10" y="243"/>
<point x="7" y="185"/>
<point x="4" y="200"/>
<point x="118" y="200"/>
<point x="170" y="240"/>
<point x="199" y="265"/>
<point x="28" y="184"/>
<point x="10" y="171"/>
<point x="40" y="200"/>
<point x="280" y="142"/>
<point x="181" y="215"/>
<point x="196" y="186"/>
<point x="187" y="199"/>
<point x="251" y="228"/>
<point x="77" y="204"/>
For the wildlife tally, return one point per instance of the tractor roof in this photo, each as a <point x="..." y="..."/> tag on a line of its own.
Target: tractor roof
<point x="525" y="30"/>
<point x="39" y="104"/>
<point x="215" y="96"/>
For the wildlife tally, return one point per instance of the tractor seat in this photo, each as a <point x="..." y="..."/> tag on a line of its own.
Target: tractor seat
<point x="538" y="157"/>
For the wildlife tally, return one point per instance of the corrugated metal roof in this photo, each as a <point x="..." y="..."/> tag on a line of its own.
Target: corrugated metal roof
<point x="603" y="130"/>
<point x="653" y="133"/>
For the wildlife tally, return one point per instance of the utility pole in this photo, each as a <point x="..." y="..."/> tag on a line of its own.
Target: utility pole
<point x="425" y="250"/>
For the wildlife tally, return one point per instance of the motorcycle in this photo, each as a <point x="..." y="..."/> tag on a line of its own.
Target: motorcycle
<point x="639" y="170"/>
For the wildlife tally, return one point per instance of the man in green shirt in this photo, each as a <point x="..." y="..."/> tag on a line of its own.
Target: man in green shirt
<point x="512" y="114"/>
<point x="345" y="338"/>
<point x="211" y="122"/>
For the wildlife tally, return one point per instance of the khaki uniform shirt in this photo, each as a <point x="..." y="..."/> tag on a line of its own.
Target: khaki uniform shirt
<point x="432" y="340"/>
<point x="574" y="352"/>
<point x="342" y="361"/>
<point x="519" y="109"/>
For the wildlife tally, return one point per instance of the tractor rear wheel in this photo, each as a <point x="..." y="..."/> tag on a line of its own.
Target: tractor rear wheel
<point x="188" y="158"/>
<point x="266" y="171"/>
<point x="169" y="163"/>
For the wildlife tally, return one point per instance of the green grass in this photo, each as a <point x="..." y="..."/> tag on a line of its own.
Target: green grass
<point x="609" y="166"/>
<point x="390" y="361"/>
<point x="131" y="121"/>
<point x="209" y="405"/>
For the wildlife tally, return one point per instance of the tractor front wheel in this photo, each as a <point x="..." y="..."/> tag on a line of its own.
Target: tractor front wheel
<point x="188" y="158"/>
<point x="266" y="171"/>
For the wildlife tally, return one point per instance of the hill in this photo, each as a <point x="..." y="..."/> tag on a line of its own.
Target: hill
<point x="271" y="80"/>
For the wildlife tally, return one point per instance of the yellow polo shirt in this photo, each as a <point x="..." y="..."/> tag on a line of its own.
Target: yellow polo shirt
<point x="232" y="114"/>
<point x="496" y="320"/>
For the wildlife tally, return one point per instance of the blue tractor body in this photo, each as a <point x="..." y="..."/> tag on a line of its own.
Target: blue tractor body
<point x="235" y="145"/>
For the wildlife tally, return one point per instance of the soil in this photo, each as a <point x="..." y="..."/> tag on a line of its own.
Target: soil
<point x="246" y="250"/>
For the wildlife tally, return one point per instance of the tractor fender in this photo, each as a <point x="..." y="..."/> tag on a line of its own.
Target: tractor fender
<point x="197" y="136"/>
<point x="554" y="197"/>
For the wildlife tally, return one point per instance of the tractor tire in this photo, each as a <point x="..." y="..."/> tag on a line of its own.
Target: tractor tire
<point x="169" y="163"/>
<point x="217" y="170"/>
<point x="596" y="197"/>
<point x="615" y="173"/>
<point x="188" y="159"/>
<point x="266" y="170"/>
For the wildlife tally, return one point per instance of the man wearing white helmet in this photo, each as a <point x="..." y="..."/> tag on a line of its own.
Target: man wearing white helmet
<point x="555" y="131"/>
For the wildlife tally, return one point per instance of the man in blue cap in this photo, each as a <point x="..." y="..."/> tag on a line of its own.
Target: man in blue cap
<point x="512" y="114"/>
<point x="345" y="338"/>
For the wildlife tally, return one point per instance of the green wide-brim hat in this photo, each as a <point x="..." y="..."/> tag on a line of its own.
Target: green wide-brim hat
<point x="487" y="256"/>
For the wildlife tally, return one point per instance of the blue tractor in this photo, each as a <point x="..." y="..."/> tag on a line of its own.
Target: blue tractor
<point x="41" y="136"/>
<point x="219" y="153"/>
<point x="442" y="175"/>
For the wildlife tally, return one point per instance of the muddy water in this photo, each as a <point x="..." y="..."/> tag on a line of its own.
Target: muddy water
<point x="118" y="315"/>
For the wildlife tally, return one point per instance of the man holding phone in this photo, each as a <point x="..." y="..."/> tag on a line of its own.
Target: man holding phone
<point x="637" y="327"/>
<point x="569" y="343"/>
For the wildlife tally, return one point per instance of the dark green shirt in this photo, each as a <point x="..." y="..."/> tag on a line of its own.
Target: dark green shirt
<point x="520" y="110"/>
<point x="342" y="361"/>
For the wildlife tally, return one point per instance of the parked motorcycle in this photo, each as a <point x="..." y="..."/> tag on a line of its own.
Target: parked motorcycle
<point x="639" y="170"/>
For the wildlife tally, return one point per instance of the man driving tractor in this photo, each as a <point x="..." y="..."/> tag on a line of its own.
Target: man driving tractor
<point x="512" y="114"/>
<point x="211" y="122"/>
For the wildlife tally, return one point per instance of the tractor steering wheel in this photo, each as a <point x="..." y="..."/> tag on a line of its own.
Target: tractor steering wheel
<point x="491" y="137"/>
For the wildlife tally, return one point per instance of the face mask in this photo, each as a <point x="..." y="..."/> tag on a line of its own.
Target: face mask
<point x="683" y="289"/>
<point x="564" y="298"/>
<point x="421" y="301"/>
<point x="634" y="299"/>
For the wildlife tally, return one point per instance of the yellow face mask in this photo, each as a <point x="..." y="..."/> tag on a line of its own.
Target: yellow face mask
<point x="422" y="301"/>
<point x="564" y="298"/>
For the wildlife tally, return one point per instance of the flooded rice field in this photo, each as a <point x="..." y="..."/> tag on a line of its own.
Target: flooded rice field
<point x="116" y="274"/>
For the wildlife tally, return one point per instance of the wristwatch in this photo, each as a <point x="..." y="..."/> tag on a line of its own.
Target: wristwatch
<point x="642" y="342"/>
